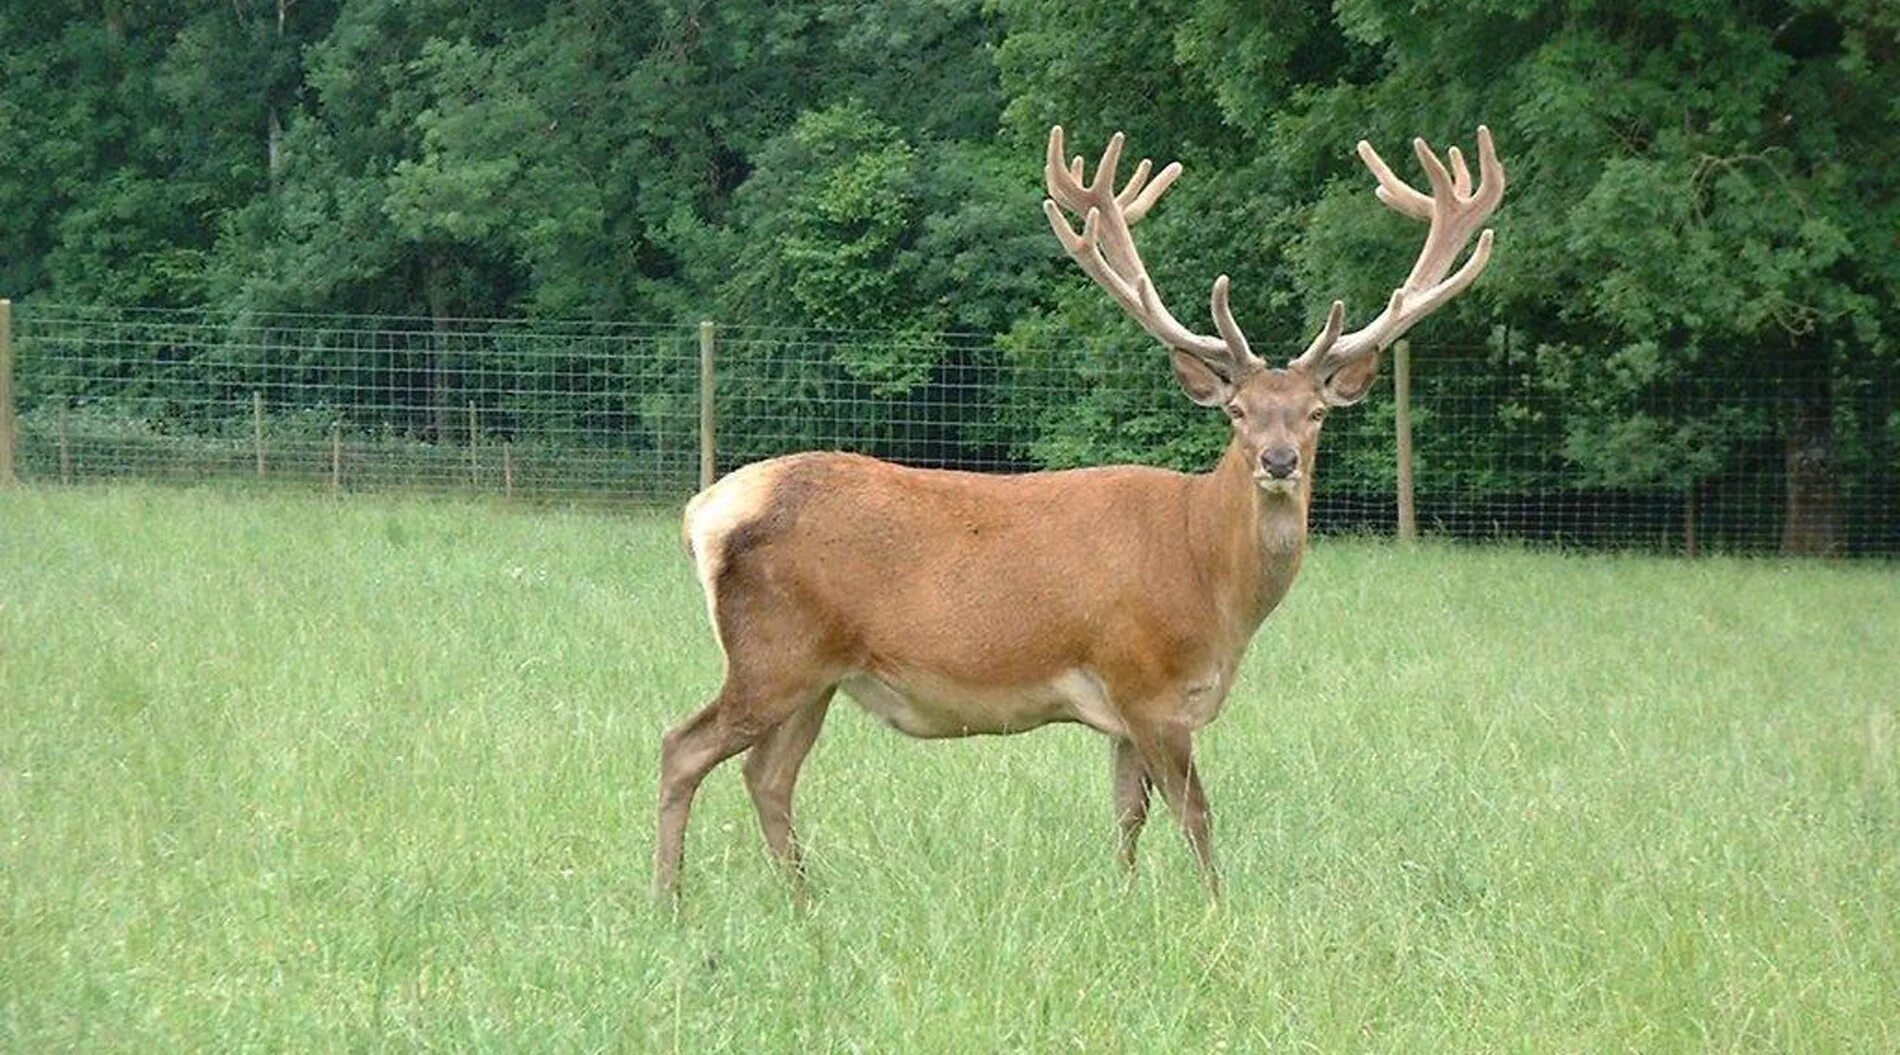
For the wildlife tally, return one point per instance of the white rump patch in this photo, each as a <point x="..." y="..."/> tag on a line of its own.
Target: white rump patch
<point x="714" y="514"/>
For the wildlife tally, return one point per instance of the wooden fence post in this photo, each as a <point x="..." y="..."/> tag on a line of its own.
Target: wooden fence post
<point x="336" y="456"/>
<point x="65" y="448"/>
<point x="1691" y="530"/>
<point x="707" y="447"/>
<point x="473" y="429"/>
<point x="507" y="469"/>
<point x="257" y="429"/>
<point x="7" y="478"/>
<point x="1402" y="401"/>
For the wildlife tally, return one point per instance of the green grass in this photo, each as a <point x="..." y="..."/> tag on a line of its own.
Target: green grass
<point x="278" y="772"/>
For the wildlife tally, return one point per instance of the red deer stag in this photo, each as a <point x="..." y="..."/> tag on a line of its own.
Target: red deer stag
<point x="953" y="604"/>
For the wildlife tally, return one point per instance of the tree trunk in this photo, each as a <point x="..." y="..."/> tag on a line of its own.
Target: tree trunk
<point x="274" y="149"/>
<point x="1811" y="523"/>
<point x="274" y="145"/>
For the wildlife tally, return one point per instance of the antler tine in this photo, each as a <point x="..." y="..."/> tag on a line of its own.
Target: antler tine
<point x="1064" y="180"/>
<point x="1454" y="209"/>
<point x="1144" y="201"/>
<point x="1328" y="333"/>
<point x="1105" y="249"/>
<point x="1435" y="174"/>
<point x="1224" y="322"/>
<point x="1104" y="181"/>
<point x="1460" y="175"/>
<point x="1392" y="190"/>
<point x="1490" y="173"/>
<point x="1132" y="189"/>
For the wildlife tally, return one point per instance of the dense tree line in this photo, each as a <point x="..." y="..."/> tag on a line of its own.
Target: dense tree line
<point x="1699" y="189"/>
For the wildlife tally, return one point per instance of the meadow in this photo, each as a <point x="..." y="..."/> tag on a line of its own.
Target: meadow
<point x="284" y="772"/>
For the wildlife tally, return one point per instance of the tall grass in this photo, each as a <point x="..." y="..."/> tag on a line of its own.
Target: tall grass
<point x="279" y="773"/>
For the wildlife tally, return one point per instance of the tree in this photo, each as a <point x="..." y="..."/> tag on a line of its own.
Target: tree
<point x="1699" y="189"/>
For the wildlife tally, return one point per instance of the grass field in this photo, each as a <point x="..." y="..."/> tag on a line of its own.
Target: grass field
<point x="282" y="773"/>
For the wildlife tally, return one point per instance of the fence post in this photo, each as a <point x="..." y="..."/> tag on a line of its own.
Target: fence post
<point x="1691" y="531"/>
<point x="257" y="428"/>
<point x="473" y="474"/>
<point x="336" y="456"/>
<point x="1402" y="401"/>
<point x="65" y="448"/>
<point x="507" y="469"/>
<point x="706" y="421"/>
<point x="7" y="479"/>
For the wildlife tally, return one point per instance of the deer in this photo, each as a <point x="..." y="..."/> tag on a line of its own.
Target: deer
<point x="1122" y="598"/>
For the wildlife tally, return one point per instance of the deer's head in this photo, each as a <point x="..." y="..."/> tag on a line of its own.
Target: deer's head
<point x="1276" y="413"/>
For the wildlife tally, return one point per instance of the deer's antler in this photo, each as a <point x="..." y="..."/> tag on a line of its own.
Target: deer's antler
<point x="1106" y="251"/>
<point x="1454" y="209"/>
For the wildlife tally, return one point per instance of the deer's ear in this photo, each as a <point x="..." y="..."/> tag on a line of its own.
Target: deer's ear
<point x="1199" y="380"/>
<point x="1350" y="383"/>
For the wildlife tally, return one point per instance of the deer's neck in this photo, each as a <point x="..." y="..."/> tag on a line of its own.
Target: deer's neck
<point x="1249" y="542"/>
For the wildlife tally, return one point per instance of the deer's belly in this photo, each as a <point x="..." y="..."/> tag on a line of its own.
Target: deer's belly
<point x="925" y="706"/>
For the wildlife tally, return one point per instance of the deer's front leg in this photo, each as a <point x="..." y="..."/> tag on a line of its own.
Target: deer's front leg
<point x="1167" y="750"/>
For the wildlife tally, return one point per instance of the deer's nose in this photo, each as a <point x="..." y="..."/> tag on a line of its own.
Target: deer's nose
<point x="1280" y="462"/>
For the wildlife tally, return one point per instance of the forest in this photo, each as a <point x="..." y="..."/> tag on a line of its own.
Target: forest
<point x="1698" y="257"/>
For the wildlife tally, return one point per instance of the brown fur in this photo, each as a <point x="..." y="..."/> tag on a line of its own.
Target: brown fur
<point x="962" y="603"/>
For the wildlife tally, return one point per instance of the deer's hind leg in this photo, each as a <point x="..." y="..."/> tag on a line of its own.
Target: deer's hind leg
<point x="688" y="752"/>
<point x="779" y="681"/>
<point x="771" y="772"/>
<point x="747" y="711"/>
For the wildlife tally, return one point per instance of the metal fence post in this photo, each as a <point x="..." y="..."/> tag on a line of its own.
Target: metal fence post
<point x="707" y="448"/>
<point x="1402" y="400"/>
<point x="7" y="478"/>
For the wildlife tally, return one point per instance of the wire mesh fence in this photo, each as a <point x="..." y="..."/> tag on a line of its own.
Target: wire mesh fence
<point x="612" y="413"/>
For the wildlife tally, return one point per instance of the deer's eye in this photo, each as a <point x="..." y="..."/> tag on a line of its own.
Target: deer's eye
<point x="1234" y="411"/>
<point x="1317" y="415"/>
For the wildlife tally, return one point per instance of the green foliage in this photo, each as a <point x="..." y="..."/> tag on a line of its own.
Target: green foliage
<point x="1697" y="187"/>
<point x="830" y="216"/>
